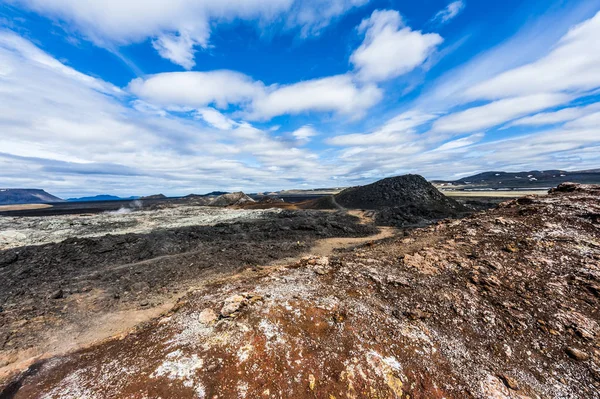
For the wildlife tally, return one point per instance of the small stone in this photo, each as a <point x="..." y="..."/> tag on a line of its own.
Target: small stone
<point x="58" y="294"/>
<point x="144" y="303"/>
<point x="312" y="381"/>
<point x="255" y="298"/>
<point x="212" y="367"/>
<point x="511" y="247"/>
<point x="323" y="261"/>
<point x="577" y="354"/>
<point x="339" y="317"/>
<point x="417" y="314"/>
<point x="397" y="281"/>
<point x="320" y="271"/>
<point x="510" y="382"/>
<point x="232" y="305"/>
<point x="208" y="316"/>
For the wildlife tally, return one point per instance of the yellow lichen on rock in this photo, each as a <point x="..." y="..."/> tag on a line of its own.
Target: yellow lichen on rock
<point x="395" y="384"/>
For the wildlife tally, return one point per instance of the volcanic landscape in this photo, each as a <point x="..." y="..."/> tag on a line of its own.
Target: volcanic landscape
<point x="391" y="290"/>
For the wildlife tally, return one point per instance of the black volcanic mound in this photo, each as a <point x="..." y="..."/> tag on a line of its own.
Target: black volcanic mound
<point x="25" y="196"/>
<point x="400" y="201"/>
<point x="154" y="197"/>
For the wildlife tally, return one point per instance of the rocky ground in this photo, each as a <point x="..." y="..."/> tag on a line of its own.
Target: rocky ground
<point x="56" y="293"/>
<point x="17" y="231"/>
<point x="502" y="304"/>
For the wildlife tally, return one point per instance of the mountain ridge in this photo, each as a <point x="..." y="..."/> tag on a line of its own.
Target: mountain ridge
<point x="15" y="196"/>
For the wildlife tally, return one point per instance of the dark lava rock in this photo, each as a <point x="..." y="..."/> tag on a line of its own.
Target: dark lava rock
<point x="58" y="294"/>
<point x="400" y="201"/>
<point x="8" y="258"/>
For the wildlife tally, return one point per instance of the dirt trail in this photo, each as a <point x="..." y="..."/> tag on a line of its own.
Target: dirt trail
<point x="327" y="246"/>
<point x="98" y="323"/>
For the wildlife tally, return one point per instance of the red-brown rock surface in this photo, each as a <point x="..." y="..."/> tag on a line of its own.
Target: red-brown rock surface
<point x="503" y="304"/>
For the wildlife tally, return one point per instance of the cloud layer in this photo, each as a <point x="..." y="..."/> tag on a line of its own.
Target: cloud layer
<point x="190" y="131"/>
<point x="178" y="26"/>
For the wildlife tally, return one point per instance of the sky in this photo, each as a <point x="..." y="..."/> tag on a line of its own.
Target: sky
<point x="137" y="97"/>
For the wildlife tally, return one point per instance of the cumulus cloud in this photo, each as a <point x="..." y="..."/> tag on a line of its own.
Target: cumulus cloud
<point x="179" y="48"/>
<point x="497" y="112"/>
<point x="450" y="12"/>
<point x="197" y="89"/>
<point x="572" y="66"/>
<point x="224" y="88"/>
<point x="390" y="48"/>
<point x="215" y="118"/>
<point x="178" y="26"/>
<point x="305" y="133"/>
<point x="331" y="94"/>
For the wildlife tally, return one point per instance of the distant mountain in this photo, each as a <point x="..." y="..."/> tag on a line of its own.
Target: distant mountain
<point x="10" y="196"/>
<point x="211" y="194"/>
<point x="154" y="197"/>
<point x="531" y="179"/>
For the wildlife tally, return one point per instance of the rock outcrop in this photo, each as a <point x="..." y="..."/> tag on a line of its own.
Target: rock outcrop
<point x="237" y="198"/>
<point x="399" y="201"/>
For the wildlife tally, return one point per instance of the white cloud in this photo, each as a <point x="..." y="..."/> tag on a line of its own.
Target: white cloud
<point x="450" y="12"/>
<point x="314" y="15"/>
<point x="305" y="133"/>
<point x="179" y="48"/>
<point x="331" y="94"/>
<point x="24" y="49"/>
<point x="563" y="115"/>
<point x="179" y="25"/>
<point x="197" y="89"/>
<point x="223" y="88"/>
<point x="397" y="130"/>
<point x="496" y="113"/>
<point x="532" y="42"/>
<point x="70" y="134"/>
<point x="390" y="48"/>
<point x="460" y="143"/>
<point x="215" y="118"/>
<point x="591" y="121"/>
<point x="572" y="66"/>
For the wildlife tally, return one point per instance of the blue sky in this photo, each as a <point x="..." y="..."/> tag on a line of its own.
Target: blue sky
<point x="132" y="97"/>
